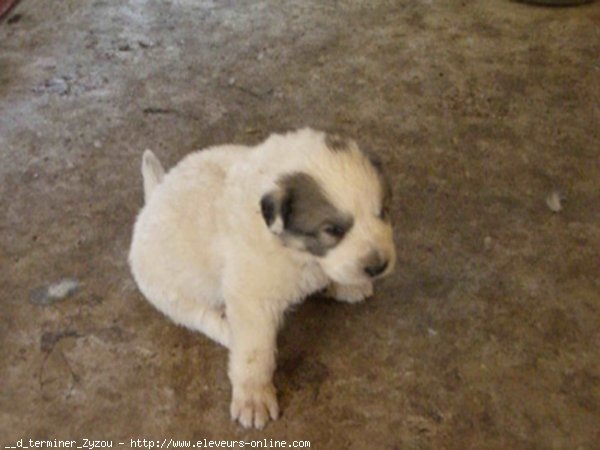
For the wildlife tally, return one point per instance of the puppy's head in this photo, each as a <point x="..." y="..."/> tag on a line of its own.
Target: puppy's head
<point x="335" y="208"/>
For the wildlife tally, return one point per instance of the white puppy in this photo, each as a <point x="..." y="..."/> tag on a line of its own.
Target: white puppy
<point x="233" y="235"/>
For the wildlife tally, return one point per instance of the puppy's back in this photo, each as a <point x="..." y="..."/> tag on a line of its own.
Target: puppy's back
<point x="175" y="249"/>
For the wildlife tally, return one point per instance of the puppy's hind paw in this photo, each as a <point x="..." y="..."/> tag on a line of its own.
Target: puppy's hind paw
<point x="253" y="407"/>
<point x="353" y="293"/>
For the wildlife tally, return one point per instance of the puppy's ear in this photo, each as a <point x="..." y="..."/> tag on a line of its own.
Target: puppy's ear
<point x="300" y="212"/>
<point x="272" y="207"/>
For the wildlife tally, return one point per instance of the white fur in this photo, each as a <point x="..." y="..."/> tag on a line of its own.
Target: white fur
<point x="204" y="256"/>
<point x="152" y="171"/>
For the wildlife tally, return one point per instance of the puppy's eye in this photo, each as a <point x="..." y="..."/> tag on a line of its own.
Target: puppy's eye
<point x="334" y="230"/>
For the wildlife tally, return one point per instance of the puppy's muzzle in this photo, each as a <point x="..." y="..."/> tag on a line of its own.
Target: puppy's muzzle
<point x="375" y="264"/>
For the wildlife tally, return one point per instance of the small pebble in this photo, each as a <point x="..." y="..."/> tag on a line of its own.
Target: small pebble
<point x="46" y="295"/>
<point x="57" y="85"/>
<point x="554" y="201"/>
<point x="231" y="81"/>
<point x="487" y="242"/>
<point x="146" y="44"/>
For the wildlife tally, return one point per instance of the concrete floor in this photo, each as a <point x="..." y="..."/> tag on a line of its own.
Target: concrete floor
<point x="487" y="335"/>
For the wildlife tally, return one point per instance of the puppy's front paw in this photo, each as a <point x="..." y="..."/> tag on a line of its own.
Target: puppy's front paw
<point x="253" y="406"/>
<point x="351" y="293"/>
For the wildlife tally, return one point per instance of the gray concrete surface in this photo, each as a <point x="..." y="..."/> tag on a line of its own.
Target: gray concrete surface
<point x="487" y="336"/>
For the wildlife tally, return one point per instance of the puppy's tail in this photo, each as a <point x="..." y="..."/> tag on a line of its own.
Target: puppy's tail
<point x="152" y="172"/>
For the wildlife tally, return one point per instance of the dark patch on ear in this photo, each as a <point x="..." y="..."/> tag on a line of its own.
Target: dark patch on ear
<point x="305" y="202"/>
<point x="386" y="186"/>
<point x="309" y="216"/>
<point x="286" y="206"/>
<point x="336" y="142"/>
<point x="376" y="162"/>
<point x="386" y="189"/>
<point x="268" y="208"/>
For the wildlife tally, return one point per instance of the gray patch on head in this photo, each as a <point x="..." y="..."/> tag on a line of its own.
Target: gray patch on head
<point x="336" y="142"/>
<point x="309" y="216"/>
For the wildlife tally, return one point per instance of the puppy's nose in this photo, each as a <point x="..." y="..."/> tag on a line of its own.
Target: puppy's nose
<point x="376" y="268"/>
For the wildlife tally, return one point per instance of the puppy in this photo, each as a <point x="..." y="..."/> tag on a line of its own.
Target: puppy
<point x="233" y="236"/>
